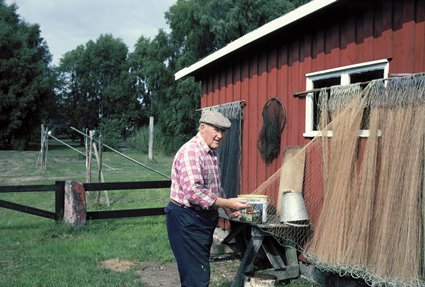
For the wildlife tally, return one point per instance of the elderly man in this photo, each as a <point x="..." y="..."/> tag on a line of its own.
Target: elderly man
<point x="196" y="194"/>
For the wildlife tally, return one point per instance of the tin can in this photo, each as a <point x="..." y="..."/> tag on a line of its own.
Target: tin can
<point x="257" y="210"/>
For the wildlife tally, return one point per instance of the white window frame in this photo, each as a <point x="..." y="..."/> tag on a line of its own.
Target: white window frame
<point x="344" y="74"/>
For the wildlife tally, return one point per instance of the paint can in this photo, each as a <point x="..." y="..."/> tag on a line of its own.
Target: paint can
<point x="257" y="210"/>
<point x="293" y="208"/>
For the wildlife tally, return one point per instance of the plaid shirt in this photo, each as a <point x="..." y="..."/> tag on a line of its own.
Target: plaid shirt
<point x="195" y="175"/>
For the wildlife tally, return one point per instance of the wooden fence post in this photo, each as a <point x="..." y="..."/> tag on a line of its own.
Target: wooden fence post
<point x="100" y="177"/>
<point x="89" y="155"/>
<point x="150" y="148"/>
<point x="59" y="200"/>
<point x="86" y="145"/>
<point x="44" y="142"/>
<point x="46" y="147"/>
<point x="99" y="156"/>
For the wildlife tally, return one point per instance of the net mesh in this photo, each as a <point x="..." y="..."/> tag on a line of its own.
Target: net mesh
<point x="230" y="148"/>
<point x="364" y="196"/>
<point x="274" y="119"/>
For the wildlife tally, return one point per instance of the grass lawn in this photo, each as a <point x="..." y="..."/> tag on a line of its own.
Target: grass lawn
<point x="37" y="251"/>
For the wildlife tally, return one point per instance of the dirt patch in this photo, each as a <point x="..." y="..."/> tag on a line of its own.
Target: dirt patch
<point x="223" y="272"/>
<point x="166" y="275"/>
<point x="159" y="275"/>
<point x="155" y="274"/>
<point x="117" y="265"/>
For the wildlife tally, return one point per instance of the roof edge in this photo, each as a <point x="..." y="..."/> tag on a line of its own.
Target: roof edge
<point x="278" y="23"/>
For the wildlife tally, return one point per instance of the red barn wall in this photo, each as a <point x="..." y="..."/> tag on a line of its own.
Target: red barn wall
<point x="275" y="66"/>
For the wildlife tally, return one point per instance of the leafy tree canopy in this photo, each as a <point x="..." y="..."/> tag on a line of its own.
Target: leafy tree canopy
<point x="26" y="81"/>
<point x="96" y="87"/>
<point x="198" y="28"/>
<point x="101" y="85"/>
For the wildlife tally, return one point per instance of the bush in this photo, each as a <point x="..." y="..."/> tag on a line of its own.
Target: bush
<point x="110" y="130"/>
<point x="140" y="140"/>
<point x="170" y="145"/>
<point x="19" y="144"/>
<point x="162" y="144"/>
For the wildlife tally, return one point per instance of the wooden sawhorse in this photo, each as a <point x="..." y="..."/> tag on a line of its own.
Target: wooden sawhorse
<point x="260" y="238"/>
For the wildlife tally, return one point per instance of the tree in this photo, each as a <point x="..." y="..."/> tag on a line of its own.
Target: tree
<point x="244" y="16"/>
<point x="153" y="66"/>
<point x="26" y="80"/>
<point x="198" y="28"/>
<point x="149" y="67"/>
<point x="72" y="100"/>
<point x="96" y="88"/>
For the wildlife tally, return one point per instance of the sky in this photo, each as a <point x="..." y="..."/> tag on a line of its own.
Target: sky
<point x="66" y="24"/>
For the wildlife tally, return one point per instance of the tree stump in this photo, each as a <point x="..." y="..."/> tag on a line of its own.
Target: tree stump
<point x="75" y="203"/>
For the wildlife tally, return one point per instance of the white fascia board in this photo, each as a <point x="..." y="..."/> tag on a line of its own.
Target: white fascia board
<point x="258" y="33"/>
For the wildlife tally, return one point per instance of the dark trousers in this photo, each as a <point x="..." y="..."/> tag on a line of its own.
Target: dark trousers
<point x="190" y="233"/>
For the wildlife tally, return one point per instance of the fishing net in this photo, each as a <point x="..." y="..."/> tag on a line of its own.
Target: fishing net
<point x="364" y="196"/>
<point x="230" y="148"/>
<point x="274" y="119"/>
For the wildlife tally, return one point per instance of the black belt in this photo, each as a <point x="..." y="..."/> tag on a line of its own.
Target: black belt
<point x="195" y="207"/>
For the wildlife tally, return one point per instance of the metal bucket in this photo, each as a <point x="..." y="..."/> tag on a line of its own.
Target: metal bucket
<point x="293" y="208"/>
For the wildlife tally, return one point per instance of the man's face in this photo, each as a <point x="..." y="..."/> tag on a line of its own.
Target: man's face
<point x="211" y="135"/>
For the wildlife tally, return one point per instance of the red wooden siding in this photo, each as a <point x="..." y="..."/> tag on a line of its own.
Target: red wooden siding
<point x="342" y="35"/>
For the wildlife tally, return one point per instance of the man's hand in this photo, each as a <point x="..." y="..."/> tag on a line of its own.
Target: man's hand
<point x="233" y="204"/>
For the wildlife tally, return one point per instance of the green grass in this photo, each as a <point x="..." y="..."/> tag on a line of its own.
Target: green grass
<point x="35" y="251"/>
<point x="48" y="254"/>
<point x="39" y="252"/>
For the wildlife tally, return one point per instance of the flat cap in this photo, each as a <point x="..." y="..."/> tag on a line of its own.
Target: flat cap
<point x="215" y="119"/>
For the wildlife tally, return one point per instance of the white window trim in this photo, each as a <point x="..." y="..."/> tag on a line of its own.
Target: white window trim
<point x="344" y="73"/>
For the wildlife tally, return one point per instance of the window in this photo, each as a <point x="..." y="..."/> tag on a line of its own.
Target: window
<point x="358" y="73"/>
